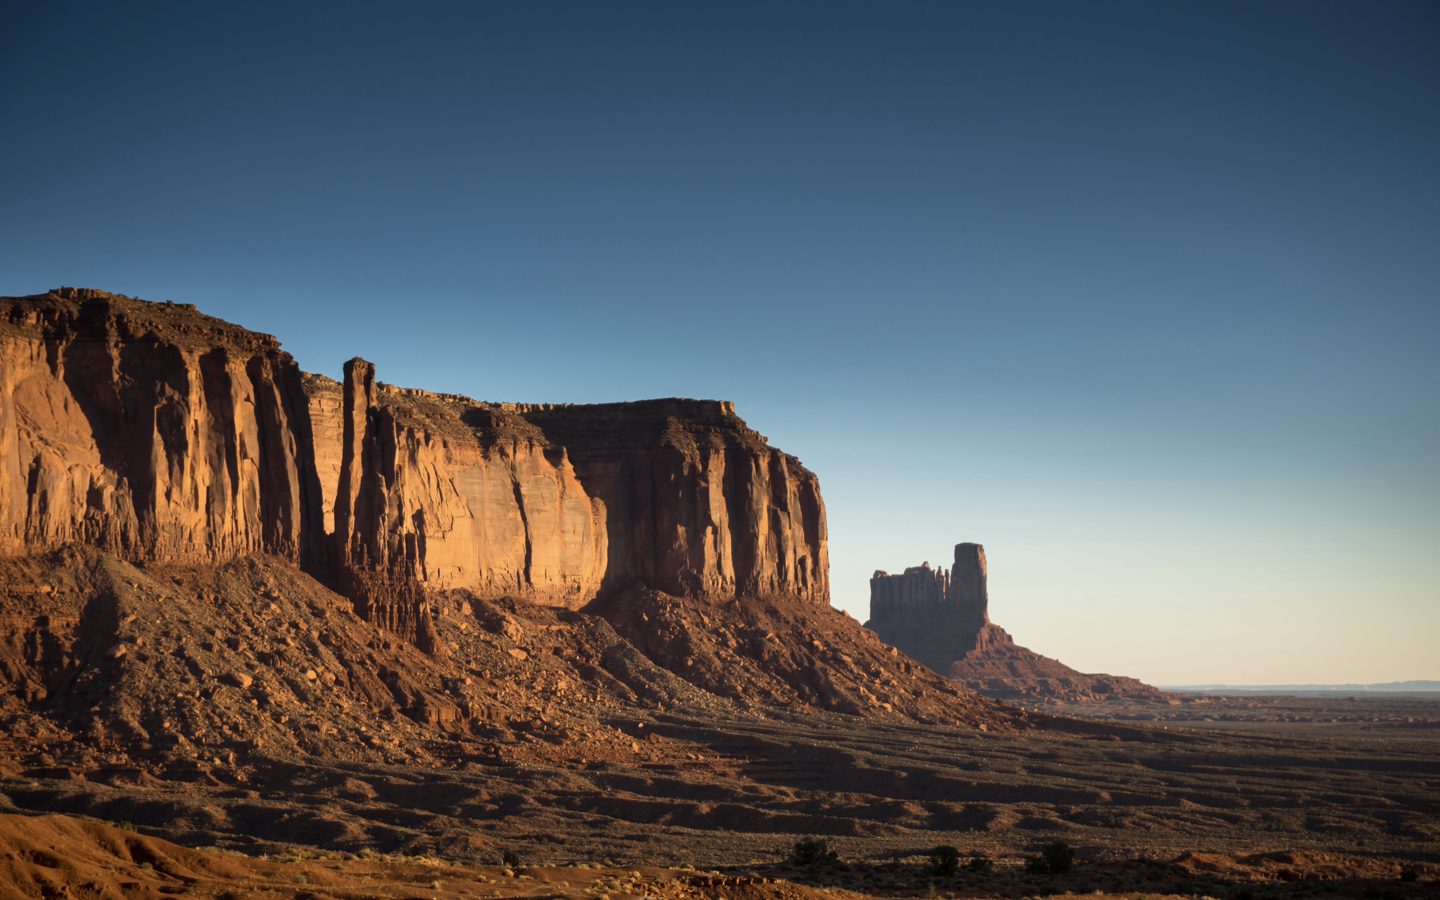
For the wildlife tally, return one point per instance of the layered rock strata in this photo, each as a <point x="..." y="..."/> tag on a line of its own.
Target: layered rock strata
<point x="149" y="430"/>
<point x="942" y="619"/>
<point x="161" y="434"/>
<point x="561" y="504"/>
<point x="696" y="503"/>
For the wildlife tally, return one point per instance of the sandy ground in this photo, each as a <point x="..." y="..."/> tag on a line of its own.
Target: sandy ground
<point x="59" y="856"/>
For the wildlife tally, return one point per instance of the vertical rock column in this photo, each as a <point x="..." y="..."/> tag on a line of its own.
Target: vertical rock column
<point x="967" y="596"/>
<point x="382" y="585"/>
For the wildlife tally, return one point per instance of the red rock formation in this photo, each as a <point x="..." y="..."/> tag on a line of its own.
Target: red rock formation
<point x="942" y="619"/>
<point x="696" y="503"/>
<point x="561" y="504"/>
<point x="148" y="429"/>
<point x="934" y="616"/>
<point x="163" y="434"/>
<point x="170" y="438"/>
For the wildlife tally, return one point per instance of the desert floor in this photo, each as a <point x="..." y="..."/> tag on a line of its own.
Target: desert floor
<point x="1226" y="798"/>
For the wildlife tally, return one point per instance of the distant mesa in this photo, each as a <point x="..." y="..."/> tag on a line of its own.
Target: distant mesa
<point x="942" y="619"/>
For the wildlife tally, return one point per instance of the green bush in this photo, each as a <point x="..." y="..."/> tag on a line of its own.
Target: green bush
<point x="812" y="852"/>
<point x="944" y="860"/>
<point x="510" y="858"/>
<point x="982" y="865"/>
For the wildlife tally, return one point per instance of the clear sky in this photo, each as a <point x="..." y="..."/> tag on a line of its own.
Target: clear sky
<point x="1143" y="296"/>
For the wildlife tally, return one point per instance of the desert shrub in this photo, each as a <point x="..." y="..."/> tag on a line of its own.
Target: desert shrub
<point x="944" y="860"/>
<point x="1055" y="858"/>
<point x="813" y="852"/>
<point x="982" y="865"/>
<point x="510" y="858"/>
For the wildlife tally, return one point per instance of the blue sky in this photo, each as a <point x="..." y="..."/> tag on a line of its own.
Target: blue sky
<point x="1144" y="297"/>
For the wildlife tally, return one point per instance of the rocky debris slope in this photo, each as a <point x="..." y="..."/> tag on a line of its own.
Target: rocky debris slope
<point x="108" y="665"/>
<point x="942" y="619"/>
<point x="784" y="653"/>
<point x="1007" y="671"/>
<point x="213" y="700"/>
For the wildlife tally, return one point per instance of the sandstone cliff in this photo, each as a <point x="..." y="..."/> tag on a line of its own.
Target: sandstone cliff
<point x="158" y="433"/>
<point x="696" y="503"/>
<point x="150" y="430"/>
<point x="942" y="619"/>
<point x="561" y="504"/>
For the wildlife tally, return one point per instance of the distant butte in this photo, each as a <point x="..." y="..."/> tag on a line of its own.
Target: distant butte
<point x="942" y="619"/>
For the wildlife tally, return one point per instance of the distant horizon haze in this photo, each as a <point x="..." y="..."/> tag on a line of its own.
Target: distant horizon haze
<point x="1143" y="298"/>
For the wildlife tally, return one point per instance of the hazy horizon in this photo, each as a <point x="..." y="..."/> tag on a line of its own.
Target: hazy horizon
<point x="1142" y="298"/>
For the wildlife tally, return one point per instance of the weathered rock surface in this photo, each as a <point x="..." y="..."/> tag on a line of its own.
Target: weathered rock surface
<point x="696" y="503"/>
<point x="150" y="430"/>
<point x="561" y="504"/>
<point x="942" y="619"/>
<point x="159" y="433"/>
<point x="424" y="497"/>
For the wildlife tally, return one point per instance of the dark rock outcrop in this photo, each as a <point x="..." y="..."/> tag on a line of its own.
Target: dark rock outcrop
<point x="935" y="616"/>
<point x="942" y="619"/>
